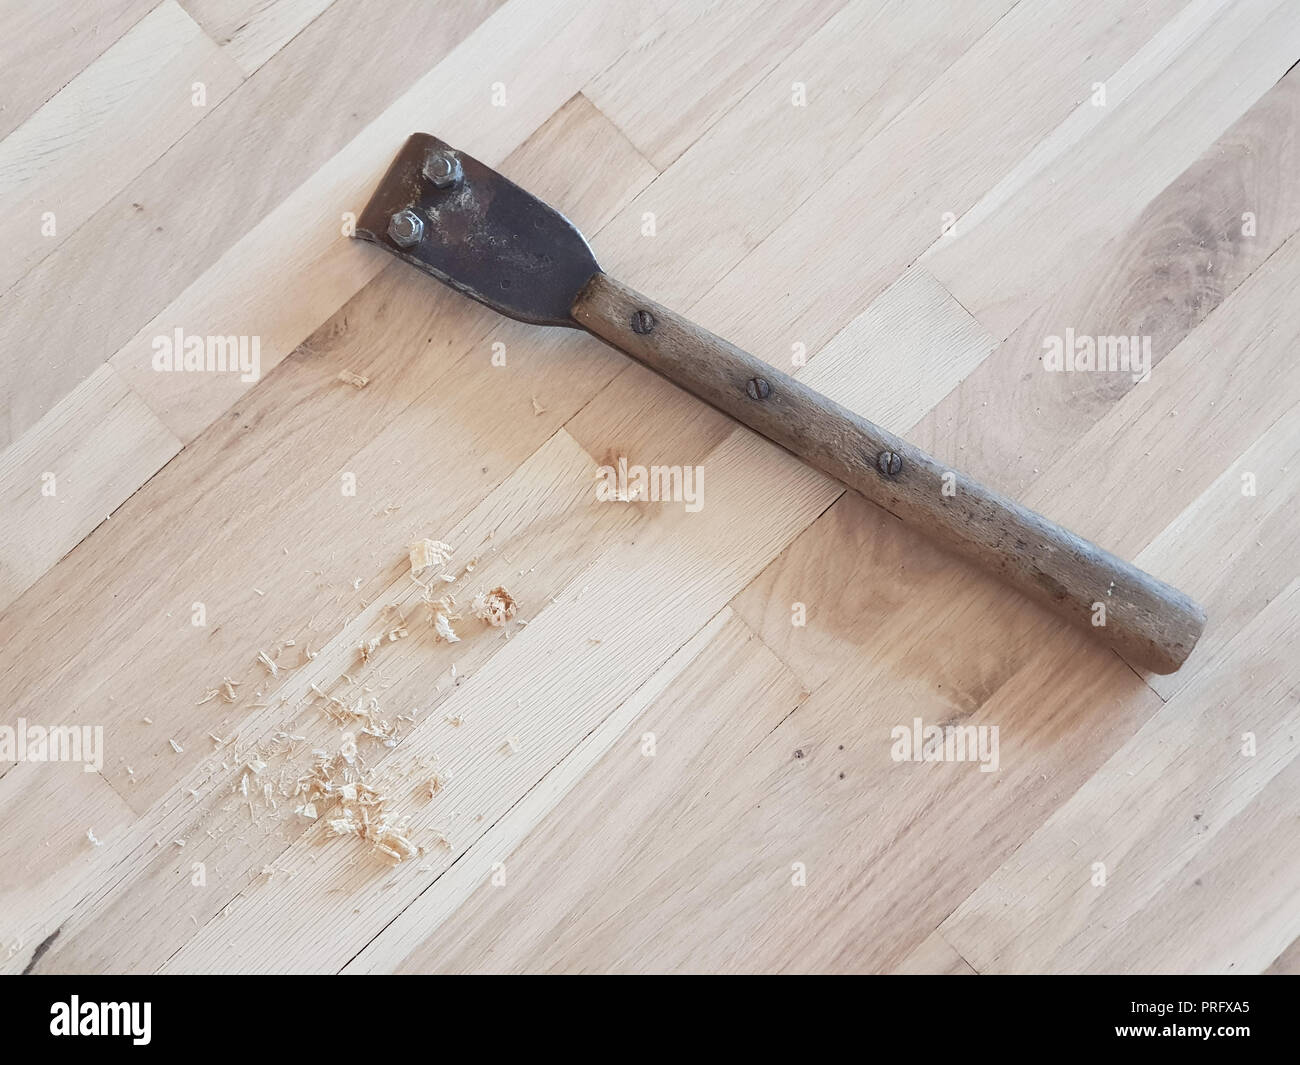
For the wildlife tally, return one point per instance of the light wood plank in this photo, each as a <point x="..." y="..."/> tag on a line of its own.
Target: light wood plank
<point x="943" y="151"/>
<point x="403" y="937"/>
<point x="150" y="241"/>
<point x="71" y="472"/>
<point x="1161" y="277"/>
<point x="1170" y="792"/>
<point x="42" y="875"/>
<point x="898" y="357"/>
<point x="1230" y="907"/>
<point x="151" y="892"/>
<point x="1164" y="107"/>
<point x="568" y="906"/>
<point x="548" y="698"/>
<point x="934" y="957"/>
<point x="1249" y="536"/>
<point x="42" y="54"/>
<point x="1226" y="383"/>
<point x="722" y="50"/>
<point x="251" y="31"/>
<point x="753" y="168"/>
<point x="109" y="123"/>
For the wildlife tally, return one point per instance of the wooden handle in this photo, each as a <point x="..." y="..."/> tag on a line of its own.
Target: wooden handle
<point x="1151" y="624"/>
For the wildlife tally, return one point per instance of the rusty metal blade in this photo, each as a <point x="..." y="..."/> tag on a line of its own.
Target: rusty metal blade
<point x="474" y="230"/>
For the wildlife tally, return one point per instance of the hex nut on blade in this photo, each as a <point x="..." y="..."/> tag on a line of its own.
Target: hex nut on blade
<point x="406" y="228"/>
<point x="442" y="169"/>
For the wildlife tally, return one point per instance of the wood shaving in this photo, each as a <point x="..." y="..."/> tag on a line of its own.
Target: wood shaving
<point x="442" y="628"/>
<point x="537" y="407"/>
<point x="511" y="745"/>
<point x="356" y="380"/>
<point x="495" y="607"/>
<point x="176" y="747"/>
<point x="426" y="553"/>
<point x="441" y="616"/>
<point x="90" y="835"/>
<point x="226" y="693"/>
<point x="367" y="649"/>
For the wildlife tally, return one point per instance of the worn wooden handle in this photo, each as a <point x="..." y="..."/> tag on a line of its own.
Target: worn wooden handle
<point x="1151" y="624"/>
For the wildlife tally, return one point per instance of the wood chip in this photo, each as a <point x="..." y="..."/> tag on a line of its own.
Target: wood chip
<point x="426" y="553"/>
<point x="495" y="607"/>
<point x="356" y="380"/>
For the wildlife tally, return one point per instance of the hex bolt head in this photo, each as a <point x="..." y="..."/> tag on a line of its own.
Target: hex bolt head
<point x="406" y="228"/>
<point x="758" y="388"/>
<point x="642" y="322"/>
<point x="443" y="169"/>
<point x="890" y="463"/>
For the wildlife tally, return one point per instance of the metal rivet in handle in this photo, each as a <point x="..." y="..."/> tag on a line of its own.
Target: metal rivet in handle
<point x="758" y="388"/>
<point x="642" y="322"/>
<point x="890" y="463"/>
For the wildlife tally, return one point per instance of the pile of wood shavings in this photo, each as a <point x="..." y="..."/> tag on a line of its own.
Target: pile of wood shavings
<point x="361" y="809"/>
<point x="337" y="790"/>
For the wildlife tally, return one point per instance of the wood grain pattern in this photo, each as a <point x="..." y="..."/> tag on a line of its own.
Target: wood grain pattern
<point x="895" y="204"/>
<point x="111" y="121"/>
<point x="71" y="472"/>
